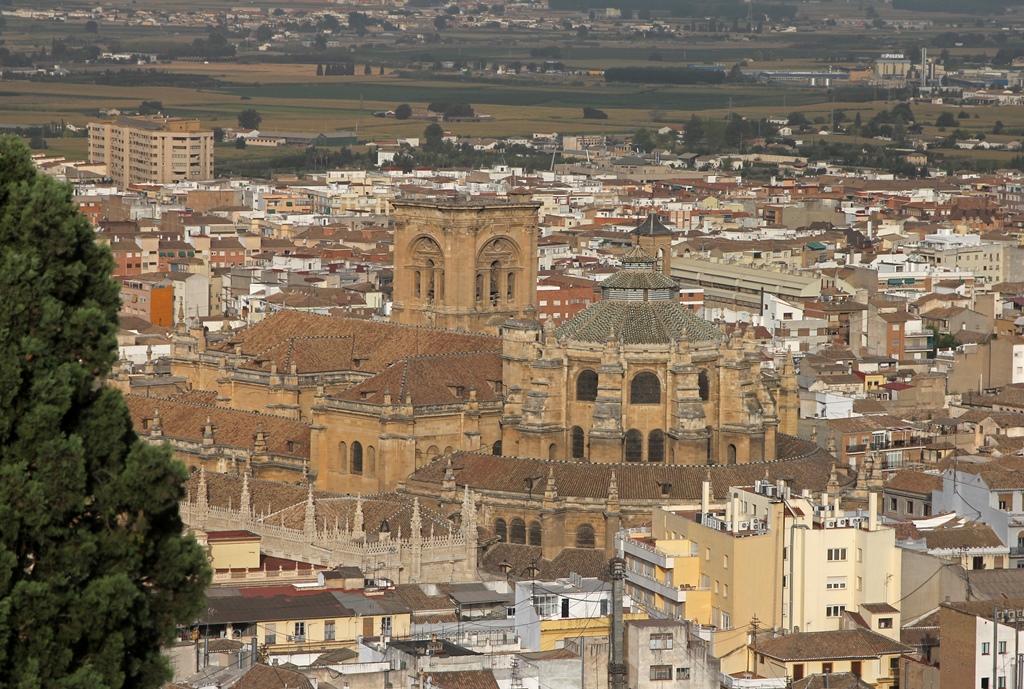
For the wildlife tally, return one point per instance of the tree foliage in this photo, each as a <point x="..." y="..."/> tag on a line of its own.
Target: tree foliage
<point x="151" y="107"/>
<point x="452" y="108"/>
<point x="94" y="572"/>
<point x="403" y="111"/>
<point x="433" y="137"/>
<point x="249" y="119"/>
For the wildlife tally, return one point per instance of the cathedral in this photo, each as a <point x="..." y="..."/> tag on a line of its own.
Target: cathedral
<point x="646" y="399"/>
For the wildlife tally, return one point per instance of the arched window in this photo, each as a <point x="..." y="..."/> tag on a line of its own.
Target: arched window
<point x="703" y="385"/>
<point x="731" y="454"/>
<point x="479" y="287"/>
<point x="432" y="453"/>
<point x="634" y="444"/>
<point x="357" y="458"/>
<point x="418" y="278"/>
<point x="645" y="389"/>
<point x="448" y="450"/>
<point x="656" y="446"/>
<point x="517" y="531"/>
<point x="342" y="456"/>
<point x="510" y="287"/>
<point x="534" y="533"/>
<point x="586" y="386"/>
<point x="578" y="443"/>
<point x="496" y="448"/>
<point x="430" y="282"/>
<point x="552" y="452"/>
<point x="371" y="460"/>
<point x="495" y="291"/>
<point x="501" y="530"/>
<point x="585" y="536"/>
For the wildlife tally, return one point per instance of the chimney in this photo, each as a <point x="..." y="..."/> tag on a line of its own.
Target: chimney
<point x="735" y="512"/>
<point x="872" y="511"/>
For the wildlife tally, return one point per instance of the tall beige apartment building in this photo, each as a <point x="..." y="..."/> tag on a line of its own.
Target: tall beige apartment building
<point x="140" y="150"/>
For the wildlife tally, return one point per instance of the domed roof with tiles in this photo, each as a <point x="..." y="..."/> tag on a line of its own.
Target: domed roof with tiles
<point x="639" y="306"/>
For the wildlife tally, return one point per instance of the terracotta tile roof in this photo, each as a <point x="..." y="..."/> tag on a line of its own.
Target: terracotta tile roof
<point x="982" y="608"/>
<point x="432" y="379"/>
<point x="863" y="424"/>
<point x="518" y="559"/>
<point x="236" y="605"/>
<point x="914" y="482"/>
<point x="638" y="322"/>
<point x="285" y="504"/>
<point x="969" y="536"/>
<point x="232" y="428"/>
<point x="809" y="469"/>
<point x="272" y="677"/>
<point x="651" y="226"/>
<point x="467" y="679"/>
<point x="997" y="584"/>
<point x="426" y="604"/>
<point x="878" y="608"/>
<point x="196" y="396"/>
<point x="843" y="643"/>
<point x="637" y="279"/>
<point x="1004" y="473"/>
<point x="327" y="343"/>
<point x="833" y="680"/>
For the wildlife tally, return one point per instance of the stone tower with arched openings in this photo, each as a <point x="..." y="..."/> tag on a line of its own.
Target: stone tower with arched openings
<point x="465" y="265"/>
<point x="656" y="239"/>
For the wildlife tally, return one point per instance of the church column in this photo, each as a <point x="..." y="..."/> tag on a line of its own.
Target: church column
<point x="688" y="434"/>
<point x="606" y="431"/>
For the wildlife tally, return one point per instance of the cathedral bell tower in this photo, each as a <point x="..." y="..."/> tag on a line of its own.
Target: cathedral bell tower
<point x="465" y="264"/>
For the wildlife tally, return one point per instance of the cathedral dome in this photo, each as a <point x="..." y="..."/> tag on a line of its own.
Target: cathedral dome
<point x="639" y="305"/>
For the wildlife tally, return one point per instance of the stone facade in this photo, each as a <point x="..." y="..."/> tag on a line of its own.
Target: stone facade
<point x="465" y="265"/>
<point x="387" y="536"/>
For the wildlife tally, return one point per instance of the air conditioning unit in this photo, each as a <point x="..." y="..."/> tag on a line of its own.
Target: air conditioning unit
<point x="744" y="526"/>
<point x="830" y="524"/>
<point x="841" y="522"/>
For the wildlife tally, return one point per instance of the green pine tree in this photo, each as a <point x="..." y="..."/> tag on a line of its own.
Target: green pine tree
<point x="94" y="572"/>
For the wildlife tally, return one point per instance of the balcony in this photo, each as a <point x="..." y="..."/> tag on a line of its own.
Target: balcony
<point x="672" y="592"/>
<point x="881" y="445"/>
<point x="855" y="449"/>
<point x="1017" y="551"/>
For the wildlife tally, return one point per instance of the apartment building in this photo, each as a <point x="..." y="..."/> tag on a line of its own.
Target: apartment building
<point x="548" y="613"/>
<point x="742" y="286"/>
<point x="990" y="262"/>
<point x="813" y="558"/>
<point x="152" y="150"/>
<point x="560" y="297"/>
<point x="660" y="651"/>
<point x="979" y="643"/>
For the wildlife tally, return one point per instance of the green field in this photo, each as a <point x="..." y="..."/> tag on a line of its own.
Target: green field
<point x="289" y="96"/>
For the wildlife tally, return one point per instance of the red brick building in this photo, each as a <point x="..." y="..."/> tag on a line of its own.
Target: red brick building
<point x="560" y="297"/>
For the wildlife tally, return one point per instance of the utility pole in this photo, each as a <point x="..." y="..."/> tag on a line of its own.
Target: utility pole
<point x="754" y="624"/>
<point x="616" y="664"/>
<point x="995" y="646"/>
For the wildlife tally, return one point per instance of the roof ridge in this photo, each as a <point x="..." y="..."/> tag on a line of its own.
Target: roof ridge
<point x="440" y="354"/>
<point x="160" y="400"/>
